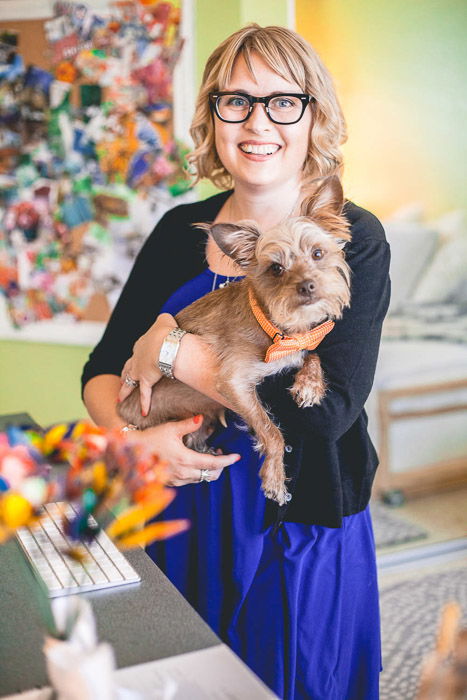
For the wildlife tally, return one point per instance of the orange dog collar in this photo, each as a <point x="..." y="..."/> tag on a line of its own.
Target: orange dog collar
<point x="283" y="345"/>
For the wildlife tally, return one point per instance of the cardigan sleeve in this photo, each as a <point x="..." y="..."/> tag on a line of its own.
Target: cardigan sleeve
<point x="348" y="354"/>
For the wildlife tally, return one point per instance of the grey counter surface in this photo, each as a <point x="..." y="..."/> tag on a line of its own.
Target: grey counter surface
<point x="144" y="621"/>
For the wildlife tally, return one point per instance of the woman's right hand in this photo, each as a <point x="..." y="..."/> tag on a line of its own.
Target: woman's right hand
<point x="184" y="465"/>
<point x="142" y="366"/>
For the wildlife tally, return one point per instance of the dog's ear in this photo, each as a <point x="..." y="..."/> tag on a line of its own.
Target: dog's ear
<point x="324" y="205"/>
<point x="238" y="241"/>
<point x="328" y="197"/>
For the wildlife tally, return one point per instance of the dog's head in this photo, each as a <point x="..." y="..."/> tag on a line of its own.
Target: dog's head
<point x="297" y="269"/>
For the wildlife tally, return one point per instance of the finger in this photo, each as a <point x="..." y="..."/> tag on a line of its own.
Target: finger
<point x="201" y="460"/>
<point x="188" y="425"/>
<point x="213" y="474"/>
<point x="126" y="370"/>
<point x="125" y="391"/>
<point x="145" y="392"/>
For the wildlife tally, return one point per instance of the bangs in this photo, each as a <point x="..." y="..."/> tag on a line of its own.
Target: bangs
<point x="281" y="59"/>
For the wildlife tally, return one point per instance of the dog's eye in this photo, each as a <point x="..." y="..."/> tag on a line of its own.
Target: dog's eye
<point x="317" y="254"/>
<point x="276" y="269"/>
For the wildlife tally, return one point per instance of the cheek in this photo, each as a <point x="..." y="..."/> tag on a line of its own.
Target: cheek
<point x="224" y="138"/>
<point x="218" y="142"/>
<point x="299" y="139"/>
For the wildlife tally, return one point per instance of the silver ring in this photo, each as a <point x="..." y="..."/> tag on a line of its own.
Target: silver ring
<point x="130" y="382"/>
<point x="204" y="475"/>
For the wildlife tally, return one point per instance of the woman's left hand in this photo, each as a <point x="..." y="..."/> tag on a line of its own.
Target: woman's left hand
<point x="143" y="366"/>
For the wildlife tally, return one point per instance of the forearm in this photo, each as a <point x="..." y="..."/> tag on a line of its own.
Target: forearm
<point x="196" y="365"/>
<point x="100" y="398"/>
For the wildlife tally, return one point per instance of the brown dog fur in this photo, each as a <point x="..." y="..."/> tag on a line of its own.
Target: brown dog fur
<point x="276" y="265"/>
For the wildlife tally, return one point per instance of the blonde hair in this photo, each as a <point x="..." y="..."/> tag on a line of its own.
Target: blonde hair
<point x="291" y="57"/>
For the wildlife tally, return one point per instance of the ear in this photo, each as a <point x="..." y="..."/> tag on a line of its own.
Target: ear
<point x="325" y="207"/>
<point x="328" y="198"/>
<point x="238" y="241"/>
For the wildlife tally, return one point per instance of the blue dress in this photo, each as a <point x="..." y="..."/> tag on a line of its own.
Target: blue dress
<point x="299" y="605"/>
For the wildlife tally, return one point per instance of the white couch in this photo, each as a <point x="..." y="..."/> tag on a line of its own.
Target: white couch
<point x="418" y="406"/>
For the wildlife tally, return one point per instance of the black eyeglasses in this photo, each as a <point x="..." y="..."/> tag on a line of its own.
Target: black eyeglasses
<point x="236" y="107"/>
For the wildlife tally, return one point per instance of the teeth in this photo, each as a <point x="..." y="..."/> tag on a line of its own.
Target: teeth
<point x="266" y="149"/>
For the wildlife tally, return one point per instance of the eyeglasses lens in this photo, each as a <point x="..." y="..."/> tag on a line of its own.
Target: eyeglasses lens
<point x="283" y="109"/>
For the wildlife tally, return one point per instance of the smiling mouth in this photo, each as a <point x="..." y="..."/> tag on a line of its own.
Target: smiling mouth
<point x="266" y="149"/>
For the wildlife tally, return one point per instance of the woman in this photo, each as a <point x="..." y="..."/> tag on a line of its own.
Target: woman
<point x="291" y="589"/>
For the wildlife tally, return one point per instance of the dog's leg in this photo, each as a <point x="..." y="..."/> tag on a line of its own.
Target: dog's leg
<point x="268" y="436"/>
<point x="309" y="387"/>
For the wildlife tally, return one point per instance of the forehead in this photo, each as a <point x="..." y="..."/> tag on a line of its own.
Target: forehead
<point x="283" y="243"/>
<point x="260" y="80"/>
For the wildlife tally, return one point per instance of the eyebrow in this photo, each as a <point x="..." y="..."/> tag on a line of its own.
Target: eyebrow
<point x="270" y="94"/>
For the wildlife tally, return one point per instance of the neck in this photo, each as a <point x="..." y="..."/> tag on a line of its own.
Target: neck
<point x="267" y="207"/>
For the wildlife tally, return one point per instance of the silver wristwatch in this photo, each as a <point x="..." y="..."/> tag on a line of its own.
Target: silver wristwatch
<point x="169" y="350"/>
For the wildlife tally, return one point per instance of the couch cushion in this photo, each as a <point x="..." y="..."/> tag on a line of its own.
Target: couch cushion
<point x="446" y="273"/>
<point x="412" y="247"/>
<point x="418" y="441"/>
<point x="414" y="363"/>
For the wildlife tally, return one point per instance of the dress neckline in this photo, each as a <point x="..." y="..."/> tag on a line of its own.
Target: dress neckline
<point x="219" y="280"/>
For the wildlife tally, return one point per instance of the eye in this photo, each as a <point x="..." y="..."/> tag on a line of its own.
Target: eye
<point x="283" y="102"/>
<point x="276" y="269"/>
<point x="236" y="101"/>
<point x="317" y="254"/>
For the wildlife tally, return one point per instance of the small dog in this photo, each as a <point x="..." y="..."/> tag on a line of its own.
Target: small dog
<point x="296" y="278"/>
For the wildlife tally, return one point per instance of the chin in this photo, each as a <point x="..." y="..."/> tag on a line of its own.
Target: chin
<point x="263" y="177"/>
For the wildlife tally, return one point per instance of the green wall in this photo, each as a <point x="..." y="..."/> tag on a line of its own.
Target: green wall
<point x="41" y="379"/>
<point x="215" y="21"/>
<point x="44" y="379"/>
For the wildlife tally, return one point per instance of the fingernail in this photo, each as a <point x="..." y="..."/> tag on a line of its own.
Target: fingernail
<point x="118" y="399"/>
<point x="197" y="419"/>
<point x="144" y="413"/>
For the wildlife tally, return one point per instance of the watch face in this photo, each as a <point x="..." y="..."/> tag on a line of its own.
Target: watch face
<point x="167" y="354"/>
<point x="169" y="350"/>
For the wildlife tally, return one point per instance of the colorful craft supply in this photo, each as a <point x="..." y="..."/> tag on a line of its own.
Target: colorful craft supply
<point x="98" y="470"/>
<point x="102" y="115"/>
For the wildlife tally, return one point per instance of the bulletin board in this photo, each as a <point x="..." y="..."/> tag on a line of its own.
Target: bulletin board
<point x="88" y="157"/>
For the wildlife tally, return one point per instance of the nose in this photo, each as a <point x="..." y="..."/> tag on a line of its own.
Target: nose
<point x="258" y="118"/>
<point x="305" y="288"/>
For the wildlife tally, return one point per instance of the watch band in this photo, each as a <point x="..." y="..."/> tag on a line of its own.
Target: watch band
<point x="169" y="350"/>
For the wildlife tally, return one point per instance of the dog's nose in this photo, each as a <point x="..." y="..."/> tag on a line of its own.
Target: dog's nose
<point x="305" y="288"/>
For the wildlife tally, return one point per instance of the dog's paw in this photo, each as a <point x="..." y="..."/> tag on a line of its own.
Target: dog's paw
<point x="197" y="442"/>
<point x="309" y="394"/>
<point x="273" y="480"/>
<point x="281" y="495"/>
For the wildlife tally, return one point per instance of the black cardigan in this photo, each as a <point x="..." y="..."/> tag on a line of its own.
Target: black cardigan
<point x="329" y="456"/>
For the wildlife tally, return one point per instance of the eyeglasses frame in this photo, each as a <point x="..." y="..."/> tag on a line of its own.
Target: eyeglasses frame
<point x="252" y="100"/>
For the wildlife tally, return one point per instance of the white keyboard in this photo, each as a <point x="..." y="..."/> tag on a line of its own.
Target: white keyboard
<point x="44" y="544"/>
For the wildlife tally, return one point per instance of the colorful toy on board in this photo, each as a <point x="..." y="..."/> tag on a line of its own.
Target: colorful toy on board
<point x="97" y="123"/>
